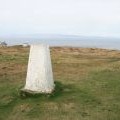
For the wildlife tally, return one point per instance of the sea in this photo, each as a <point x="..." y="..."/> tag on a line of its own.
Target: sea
<point x="65" y="40"/>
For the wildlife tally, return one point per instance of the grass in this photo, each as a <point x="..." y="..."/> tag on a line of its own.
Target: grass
<point x="87" y="85"/>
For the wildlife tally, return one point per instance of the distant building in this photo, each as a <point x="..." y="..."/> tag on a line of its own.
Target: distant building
<point x="3" y="44"/>
<point x="25" y="44"/>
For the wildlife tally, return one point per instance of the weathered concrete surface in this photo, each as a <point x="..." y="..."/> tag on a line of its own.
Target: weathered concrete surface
<point x="39" y="74"/>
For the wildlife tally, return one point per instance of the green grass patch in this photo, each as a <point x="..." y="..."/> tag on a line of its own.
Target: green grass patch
<point x="87" y="86"/>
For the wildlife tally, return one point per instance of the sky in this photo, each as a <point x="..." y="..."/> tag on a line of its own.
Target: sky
<point x="68" y="17"/>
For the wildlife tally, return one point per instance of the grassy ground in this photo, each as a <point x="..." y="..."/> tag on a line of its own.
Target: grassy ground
<point x="88" y="85"/>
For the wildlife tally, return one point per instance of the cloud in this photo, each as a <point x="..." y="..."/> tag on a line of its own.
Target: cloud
<point x="86" y="17"/>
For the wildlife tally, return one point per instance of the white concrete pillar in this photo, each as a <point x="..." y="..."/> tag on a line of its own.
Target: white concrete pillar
<point x="39" y="74"/>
